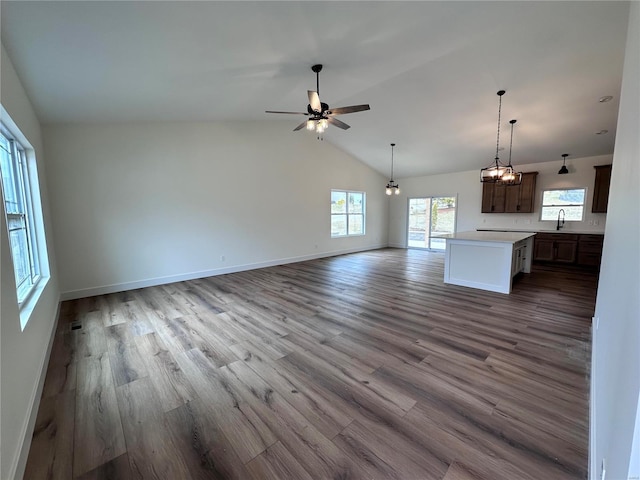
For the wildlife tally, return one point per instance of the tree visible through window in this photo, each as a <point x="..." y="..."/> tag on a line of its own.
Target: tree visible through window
<point x="347" y="213"/>
<point x="18" y="204"/>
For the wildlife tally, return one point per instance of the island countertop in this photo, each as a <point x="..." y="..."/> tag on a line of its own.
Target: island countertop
<point x="488" y="236"/>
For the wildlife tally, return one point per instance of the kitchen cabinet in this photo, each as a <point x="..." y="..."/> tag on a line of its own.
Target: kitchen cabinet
<point x="497" y="198"/>
<point x="590" y="250"/>
<point x="493" y="197"/>
<point x="555" y="247"/>
<point x="601" y="189"/>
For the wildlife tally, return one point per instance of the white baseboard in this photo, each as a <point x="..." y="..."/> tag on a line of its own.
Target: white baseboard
<point x="151" y="282"/>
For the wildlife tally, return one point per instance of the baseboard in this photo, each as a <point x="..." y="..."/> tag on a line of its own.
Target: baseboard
<point x="20" y="463"/>
<point x="151" y="282"/>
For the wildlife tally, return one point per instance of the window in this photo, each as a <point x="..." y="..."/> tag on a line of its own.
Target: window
<point x="571" y="201"/>
<point x="347" y="213"/>
<point x="18" y="204"/>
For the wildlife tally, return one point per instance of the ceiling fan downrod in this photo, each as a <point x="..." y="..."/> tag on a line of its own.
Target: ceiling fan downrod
<point x="317" y="69"/>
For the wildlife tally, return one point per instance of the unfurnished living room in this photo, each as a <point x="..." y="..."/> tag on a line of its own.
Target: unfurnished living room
<point x="320" y="240"/>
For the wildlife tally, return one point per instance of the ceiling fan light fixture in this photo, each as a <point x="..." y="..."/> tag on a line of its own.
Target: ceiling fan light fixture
<point x="319" y="113"/>
<point x="563" y="170"/>
<point x="392" y="187"/>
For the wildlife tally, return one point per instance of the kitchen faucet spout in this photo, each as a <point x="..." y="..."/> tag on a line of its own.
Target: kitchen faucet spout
<point x="560" y="225"/>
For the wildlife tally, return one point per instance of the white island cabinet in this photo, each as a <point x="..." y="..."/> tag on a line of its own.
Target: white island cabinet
<point x="487" y="260"/>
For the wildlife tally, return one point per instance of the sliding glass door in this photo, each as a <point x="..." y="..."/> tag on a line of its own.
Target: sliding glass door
<point x="429" y="219"/>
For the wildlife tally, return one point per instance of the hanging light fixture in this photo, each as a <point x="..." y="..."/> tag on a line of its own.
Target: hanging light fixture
<point x="564" y="168"/>
<point x="392" y="187"/>
<point x="510" y="176"/>
<point x="494" y="172"/>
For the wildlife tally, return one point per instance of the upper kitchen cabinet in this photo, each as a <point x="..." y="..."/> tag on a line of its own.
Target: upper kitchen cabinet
<point x="601" y="189"/>
<point x="498" y="198"/>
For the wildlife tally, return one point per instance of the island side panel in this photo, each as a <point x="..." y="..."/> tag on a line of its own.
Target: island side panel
<point x="482" y="265"/>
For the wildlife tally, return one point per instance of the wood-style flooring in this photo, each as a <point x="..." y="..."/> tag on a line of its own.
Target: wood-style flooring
<point x="361" y="366"/>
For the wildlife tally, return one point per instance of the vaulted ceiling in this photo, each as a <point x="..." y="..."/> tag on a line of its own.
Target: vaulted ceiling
<point x="429" y="70"/>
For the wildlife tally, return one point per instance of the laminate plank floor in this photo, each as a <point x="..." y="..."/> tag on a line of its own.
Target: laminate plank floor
<point x="360" y="366"/>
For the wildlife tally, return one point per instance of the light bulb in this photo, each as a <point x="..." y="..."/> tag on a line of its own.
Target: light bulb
<point x="388" y="191"/>
<point x="397" y="190"/>
<point x="311" y="125"/>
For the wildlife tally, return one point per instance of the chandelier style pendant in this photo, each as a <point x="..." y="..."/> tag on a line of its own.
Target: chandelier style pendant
<point x="494" y="172"/>
<point x="511" y="177"/>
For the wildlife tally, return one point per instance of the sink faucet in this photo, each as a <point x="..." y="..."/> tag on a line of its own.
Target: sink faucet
<point x="560" y="225"/>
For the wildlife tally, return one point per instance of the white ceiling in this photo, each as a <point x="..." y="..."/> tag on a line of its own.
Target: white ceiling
<point x="429" y="70"/>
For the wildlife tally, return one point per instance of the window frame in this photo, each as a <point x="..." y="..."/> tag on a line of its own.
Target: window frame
<point x="544" y="206"/>
<point x="362" y="214"/>
<point x="22" y="176"/>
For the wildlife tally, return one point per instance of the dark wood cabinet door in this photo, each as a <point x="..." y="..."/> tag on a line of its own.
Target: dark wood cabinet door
<point x="566" y="251"/>
<point x="543" y="250"/>
<point x="527" y="192"/>
<point x="499" y="198"/>
<point x="601" y="189"/>
<point x="487" y="197"/>
<point x="512" y="199"/>
<point x="493" y="198"/>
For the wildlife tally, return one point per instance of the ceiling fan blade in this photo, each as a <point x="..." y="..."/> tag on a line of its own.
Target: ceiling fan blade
<point x="351" y="109"/>
<point x="289" y="113"/>
<point x="301" y="126"/>
<point x="314" y="101"/>
<point x="338" y="123"/>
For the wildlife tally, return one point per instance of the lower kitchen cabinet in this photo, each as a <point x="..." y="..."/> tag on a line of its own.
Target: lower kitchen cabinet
<point x="590" y="250"/>
<point x="555" y="247"/>
<point x="578" y="249"/>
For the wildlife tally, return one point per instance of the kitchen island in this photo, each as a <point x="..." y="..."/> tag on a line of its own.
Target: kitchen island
<point x="487" y="260"/>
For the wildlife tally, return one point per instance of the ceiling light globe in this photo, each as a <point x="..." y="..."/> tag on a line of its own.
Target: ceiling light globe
<point x="397" y="191"/>
<point x="388" y="191"/>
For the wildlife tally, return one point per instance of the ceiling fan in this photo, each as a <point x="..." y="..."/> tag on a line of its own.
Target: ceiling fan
<point x="319" y="113"/>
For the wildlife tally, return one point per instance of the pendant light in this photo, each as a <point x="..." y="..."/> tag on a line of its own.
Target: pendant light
<point x="564" y="168"/>
<point x="392" y="187"/>
<point x="493" y="173"/>
<point x="510" y="176"/>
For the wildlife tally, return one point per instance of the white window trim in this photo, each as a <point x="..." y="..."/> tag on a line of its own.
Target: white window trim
<point x="583" y="205"/>
<point x="35" y="225"/>
<point x="363" y="214"/>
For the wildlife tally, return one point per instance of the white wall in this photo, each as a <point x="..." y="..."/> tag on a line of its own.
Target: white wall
<point x="467" y="186"/>
<point x="23" y="354"/>
<point x="616" y="349"/>
<point x="142" y="204"/>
